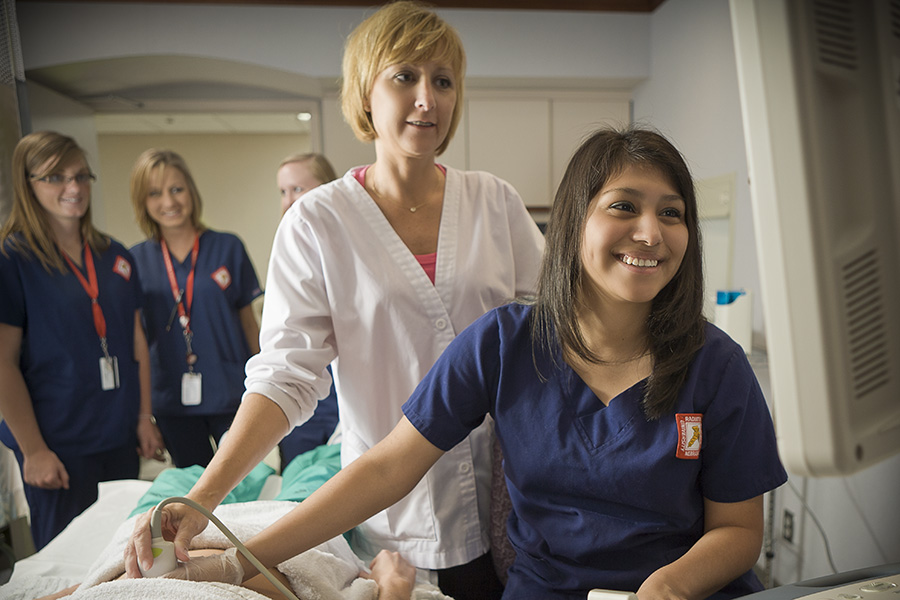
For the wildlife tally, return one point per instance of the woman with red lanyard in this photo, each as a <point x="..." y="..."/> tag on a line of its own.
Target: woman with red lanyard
<point x="198" y="288"/>
<point x="74" y="366"/>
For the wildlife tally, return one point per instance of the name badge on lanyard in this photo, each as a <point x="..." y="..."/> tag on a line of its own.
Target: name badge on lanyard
<point x="191" y="382"/>
<point x="191" y="389"/>
<point x="109" y="365"/>
<point x="109" y="373"/>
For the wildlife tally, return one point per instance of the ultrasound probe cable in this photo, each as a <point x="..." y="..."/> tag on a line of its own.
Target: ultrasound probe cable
<point x="158" y="541"/>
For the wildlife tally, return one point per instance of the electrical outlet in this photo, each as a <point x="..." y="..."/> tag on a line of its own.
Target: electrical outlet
<point x="787" y="526"/>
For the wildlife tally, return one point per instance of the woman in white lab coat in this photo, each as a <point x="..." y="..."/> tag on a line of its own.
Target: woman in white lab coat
<point x="378" y="272"/>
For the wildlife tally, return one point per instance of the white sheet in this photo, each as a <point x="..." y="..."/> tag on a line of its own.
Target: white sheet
<point x="329" y="572"/>
<point x="74" y="550"/>
<point x="12" y="493"/>
<point x="89" y="550"/>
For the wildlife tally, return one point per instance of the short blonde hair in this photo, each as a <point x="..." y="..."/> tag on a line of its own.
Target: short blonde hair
<point x="28" y="218"/>
<point x="319" y="166"/>
<point x="149" y="163"/>
<point x="402" y="31"/>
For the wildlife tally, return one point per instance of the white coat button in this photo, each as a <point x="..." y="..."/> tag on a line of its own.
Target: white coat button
<point x="465" y="467"/>
<point x="440" y="323"/>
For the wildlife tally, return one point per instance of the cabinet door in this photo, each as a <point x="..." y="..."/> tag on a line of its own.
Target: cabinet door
<point x="339" y="143"/>
<point x="574" y="120"/>
<point x="511" y="138"/>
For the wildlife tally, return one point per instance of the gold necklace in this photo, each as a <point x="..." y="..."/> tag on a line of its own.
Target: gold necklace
<point x="412" y="209"/>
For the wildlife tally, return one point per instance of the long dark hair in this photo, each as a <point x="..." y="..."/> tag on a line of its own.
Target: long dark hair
<point x="675" y="325"/>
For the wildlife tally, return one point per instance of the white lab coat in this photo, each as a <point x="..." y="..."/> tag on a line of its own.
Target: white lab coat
<point x="342" y="286"/>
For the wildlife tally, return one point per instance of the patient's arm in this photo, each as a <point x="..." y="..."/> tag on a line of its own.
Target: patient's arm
<point x="393" y="574"/>
<point x="257" y="583"/>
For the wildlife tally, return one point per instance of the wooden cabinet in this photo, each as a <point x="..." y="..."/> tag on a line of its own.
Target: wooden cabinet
<point x="511" y="139"/>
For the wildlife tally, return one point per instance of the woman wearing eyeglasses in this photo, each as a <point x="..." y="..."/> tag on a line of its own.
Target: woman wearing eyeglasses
<point x="198" y="288"/>
<point x="74" y="365"/>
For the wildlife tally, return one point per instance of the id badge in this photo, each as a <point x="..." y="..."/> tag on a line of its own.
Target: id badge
<point x="191" y="389"/>
<point x="109" y="373"/>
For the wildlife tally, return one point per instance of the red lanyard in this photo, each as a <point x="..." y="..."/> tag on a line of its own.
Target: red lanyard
<point x="93" y="290"/>
<point x="184" y="308"/>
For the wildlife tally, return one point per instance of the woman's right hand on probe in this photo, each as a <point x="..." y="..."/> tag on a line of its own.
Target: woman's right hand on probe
<point x="180" y="524"/>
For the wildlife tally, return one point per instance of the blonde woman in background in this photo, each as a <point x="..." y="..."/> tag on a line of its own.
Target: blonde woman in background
<point x="74" y="367"/>
<point x="378" y="272"/>
<point x="198" y="287"/>
<point x="299" y="173"/>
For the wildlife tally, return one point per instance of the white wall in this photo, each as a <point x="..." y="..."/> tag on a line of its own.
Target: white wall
<point x="309" y="40"/>
<point x="692" y="96"/>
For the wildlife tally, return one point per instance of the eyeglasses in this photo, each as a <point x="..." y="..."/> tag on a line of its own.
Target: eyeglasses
<point x="60" y="179"/>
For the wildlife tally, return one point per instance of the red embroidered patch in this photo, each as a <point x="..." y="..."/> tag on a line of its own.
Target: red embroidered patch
<point x="123" y="268"/>
<point x="690" y="435"/>
<point x="222" y="277"/>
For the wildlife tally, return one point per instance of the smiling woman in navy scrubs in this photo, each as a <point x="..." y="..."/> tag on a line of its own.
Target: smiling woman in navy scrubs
<point x="637" y="444"/>
<point x="74" y="366"/>
<point x="198" y="287"/>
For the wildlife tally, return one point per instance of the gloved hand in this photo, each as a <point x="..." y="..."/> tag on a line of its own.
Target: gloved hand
<point x="180" y="523"/>
<point x="224" y="567"/>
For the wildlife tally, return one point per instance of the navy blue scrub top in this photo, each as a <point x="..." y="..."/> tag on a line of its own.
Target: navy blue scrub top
<point x="60" y="357"/>
<point x="224" y="283"/>
<point x="600" y="496"/>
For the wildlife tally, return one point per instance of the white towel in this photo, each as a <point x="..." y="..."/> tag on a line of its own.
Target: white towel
<point x="170" y="589"/>
<point x="328" y="572"/>
<point x="322" y="573"/>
